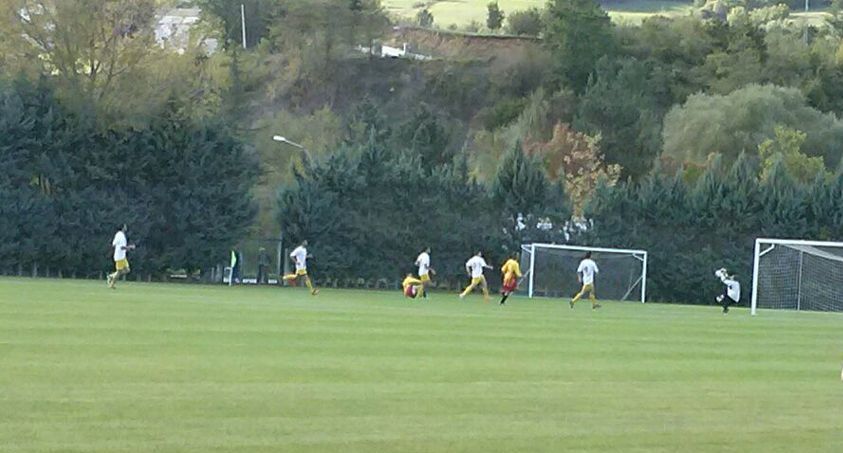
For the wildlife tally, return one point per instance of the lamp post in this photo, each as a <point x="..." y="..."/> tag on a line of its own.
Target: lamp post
<point x="243" y="23"/>
<point x="807" y="24"/>
<point x="282" y="139"/>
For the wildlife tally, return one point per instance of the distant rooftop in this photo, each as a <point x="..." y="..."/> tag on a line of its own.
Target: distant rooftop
<point x="185" y="12"/>
<point x="172" y="29"/>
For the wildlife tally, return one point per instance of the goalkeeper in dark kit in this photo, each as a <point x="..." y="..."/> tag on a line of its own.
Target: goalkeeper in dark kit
<point x="731" y="293"/>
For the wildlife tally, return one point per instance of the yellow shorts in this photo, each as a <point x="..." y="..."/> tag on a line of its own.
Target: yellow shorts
<point x="478" y="280"/>
<point x="588" y="288"/>
<point x="121" y="264"/>
<point x="301" y="272"/>
<point x="424" y="278"/>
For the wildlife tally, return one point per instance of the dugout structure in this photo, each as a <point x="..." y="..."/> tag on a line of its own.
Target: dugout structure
<point x="797" y="275"/>
<point x="551" y="271"/>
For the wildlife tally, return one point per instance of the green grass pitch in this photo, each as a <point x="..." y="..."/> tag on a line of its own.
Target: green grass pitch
<point x="178" y="368"/>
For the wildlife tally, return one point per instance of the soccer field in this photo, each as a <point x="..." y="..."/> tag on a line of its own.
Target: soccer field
<point x="177" y="368"/>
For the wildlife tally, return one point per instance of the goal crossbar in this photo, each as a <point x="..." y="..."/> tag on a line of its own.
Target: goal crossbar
<point x="640" y="255"/>
<point x="795" y="242"/>
<point x="582" y="248"/>
<point x="817" y="252"/>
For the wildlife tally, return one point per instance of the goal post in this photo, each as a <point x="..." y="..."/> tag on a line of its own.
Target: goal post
<point x="551" y="271"/>
<point x="797" y="275"/>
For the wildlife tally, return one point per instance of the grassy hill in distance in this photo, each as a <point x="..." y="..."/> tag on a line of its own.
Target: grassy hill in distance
<point x="463" y="12"/>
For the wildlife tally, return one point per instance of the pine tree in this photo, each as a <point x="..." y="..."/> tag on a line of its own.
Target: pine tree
<point x="661" y="206"/>
<point x="33" y="141"/>
<point x="578" y="33"/>
<point x="834" y="214"/>
<point x="825" y="208"/>
<point x="610" y="208"/>
<point x="368" y="211"/>
<point x="426" y="136"/>
<point x="367" y="123"/>
<point x="783" y="202"/>
<point x="424" y="18"/>
<point x="707" y="197"/>
<point x="521" y="186"/>
<point x="495" y="16"/>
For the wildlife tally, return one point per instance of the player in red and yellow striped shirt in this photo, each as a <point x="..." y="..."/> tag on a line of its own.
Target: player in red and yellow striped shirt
<point x="511" y="271"/>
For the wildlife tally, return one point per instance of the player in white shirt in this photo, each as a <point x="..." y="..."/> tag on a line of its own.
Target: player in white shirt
<point x="732" y="293"/>
<point x="475" y="267"/>
<point x="299" y="257"/>
<point x="425" y="271"/>
<point x="586" y="272"/>
<point x="121" y="264"/>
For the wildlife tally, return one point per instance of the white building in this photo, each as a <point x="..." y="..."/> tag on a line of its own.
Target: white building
<point x="173" y="29"/>
<point x="385" y="51"/>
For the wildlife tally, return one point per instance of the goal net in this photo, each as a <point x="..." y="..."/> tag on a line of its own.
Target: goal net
<point x="551" y="271"/>
<point x="797" y="275"/>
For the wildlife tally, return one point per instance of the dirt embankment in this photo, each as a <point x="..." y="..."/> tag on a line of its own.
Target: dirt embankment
<point x="457" y="45"/>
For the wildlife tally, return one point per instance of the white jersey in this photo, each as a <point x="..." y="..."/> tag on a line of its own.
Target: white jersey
<point x="475" y="265"/>
<point x="733" y="288"/>
<point x="423" y="262"/>
<point x="119" y="243"/>
<point x="300" y="255"/>
<point x="588" y="269"/>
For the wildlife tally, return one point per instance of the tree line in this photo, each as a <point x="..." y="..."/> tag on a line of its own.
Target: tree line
<point x="182" y="186"/>
<point x="691" y="227"/>
<point x="368" y="212"/>
<point x="534" y="131"/>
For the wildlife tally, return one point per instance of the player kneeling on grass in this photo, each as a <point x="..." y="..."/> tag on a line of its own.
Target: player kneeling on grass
<point x="413" y="287"/>
<point x="511" y="271"/>
<point x="300" y="256"/>
<point x="732" y="293"/>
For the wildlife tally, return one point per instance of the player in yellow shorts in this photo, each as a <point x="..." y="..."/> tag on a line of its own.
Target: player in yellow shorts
<point x="474" y="267"/>
<point x="586" y="272"/>
<point x="413" y="287"/>
<point x="300" y="256"/>
<point x="511" y="271"/>
<point x="121" y="264"/>
<point x="425" y="271"/>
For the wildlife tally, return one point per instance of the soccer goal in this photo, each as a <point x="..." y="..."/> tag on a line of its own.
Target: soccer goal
<point x="797" y="275"/>
<point x="551" y="271"/>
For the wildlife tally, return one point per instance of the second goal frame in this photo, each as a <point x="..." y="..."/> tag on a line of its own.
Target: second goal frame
<point x="640" y="255"/>
<point x="794" y="299"/>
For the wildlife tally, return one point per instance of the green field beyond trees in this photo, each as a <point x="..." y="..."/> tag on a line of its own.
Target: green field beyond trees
<point x="465" y="11"/>
<point x="210" y="369"/>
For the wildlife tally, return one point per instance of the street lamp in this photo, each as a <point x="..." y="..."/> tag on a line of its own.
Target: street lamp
<point x="243" y="22"/>
<point x="282" y="139"/>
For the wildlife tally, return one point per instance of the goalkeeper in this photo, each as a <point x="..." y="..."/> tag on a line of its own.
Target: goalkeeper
<point x="732" y="293"/>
